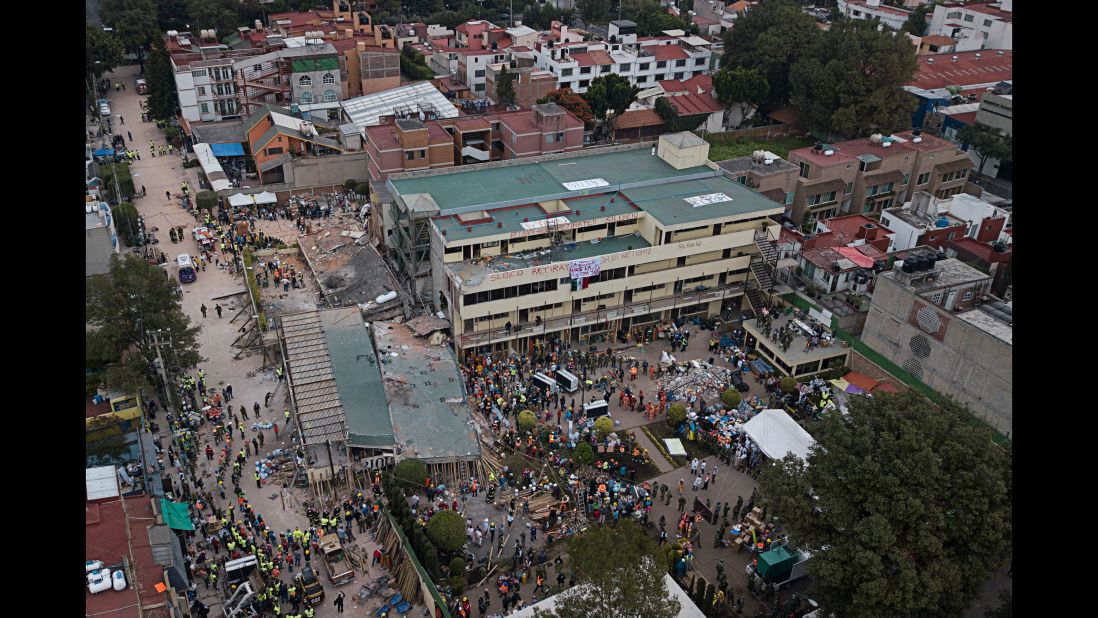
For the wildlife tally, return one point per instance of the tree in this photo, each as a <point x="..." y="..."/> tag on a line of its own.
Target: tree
<point x="770" y="38"/>
<point x="623" y="572"/>
<point x="584" y="454"/>
<point x="125" y="221"/>
<point x="593" y="10"/>
<point x="134" y="22"/>
<point x="173" y="15"/>
<point x="120" y="307"/>
<point x="676" y="414"/>
<point x="505" y="90"/>
<point x="206" y="200"/>
<point x="410" y="474"/>
<point x="788" y="384"/>
<point x="603" y="426"/>
<point x="574" y="103"/>
<point x="526" y="421"/>
<point x="987" y="141"/>
<point x="1005" y="608"/>
<point x="609" y="95"/>
<point x="731" y="399"/>
<point x="423" y="8"/>
<point x="161" y="81"/>
<point x="457" y="575"/>
<point x="916" y="21"/>
<point x="652" y="20"/>
<point x="102" y="52"/>
<point x="107" y="172"/>
<point x="740" y="88"/>
<point x="849" y="85"/>
<point x="447" y="530"/>
<point x="220" y="15"/>
<point x="911" y="501"/>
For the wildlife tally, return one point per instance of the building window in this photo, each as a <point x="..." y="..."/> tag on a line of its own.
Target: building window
<point x="937" y="298"/>
<point x="923" y="179"/>
<point x="987" y="23"/>
<point x="585" y="70"/>
<point x="329" y="78"/>
<point x="643" y="67"/>
<point x="584" y="83"/>
<point x="662" y="64"/>
<point x="970" y="18"/>
<point x="870" y="205"/>
<point x="549" y="138"/>
<point x="907" y="177"/>
<point x="968" y="294"/>
<point x="699" y="62"/>
<point x="625" y="68"/>
<point x="566" y="72"/>
<point x="199" y="73"/>
<point x="409" y="155"/>
<point x="479" y="73"/>
<point x="680" y="63"/>
<point x="306" y="97"/>
<point x="201" y="91"/>
<point x="804" y="169"/>
<point x="849" y="188"/>
<point x="305" y="81"/>
<point x="330" y="95"/>
<point x="788" y="198"/>
<point x="257" y="67"/>
<point x="205" y="108"/>
<point x="953" y="15"/>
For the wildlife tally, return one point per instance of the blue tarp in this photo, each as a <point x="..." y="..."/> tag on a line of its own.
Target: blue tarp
<point x="104" y="152"/>
<point x="227" y="150"/>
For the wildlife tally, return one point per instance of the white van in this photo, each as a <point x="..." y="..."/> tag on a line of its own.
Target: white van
<point x="187" y="272"/>
<point x="543" y="381"/>
<point x="567" y="381"/>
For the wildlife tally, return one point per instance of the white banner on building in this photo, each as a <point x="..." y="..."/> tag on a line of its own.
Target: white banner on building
<point x="591" y="267"/>
<point x="823" y="316"/>
<point x="585" y="184"/>
<point x="707" y="199"/>
<point x="540" y="223"/>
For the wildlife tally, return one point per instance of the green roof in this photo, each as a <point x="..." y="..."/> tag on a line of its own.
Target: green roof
<point x="308" y="65"/>
<point x="668" y="202"/>
<point x="358" y="378"/>
<point x="590" y="208"/>
<point x="512" y="185"/>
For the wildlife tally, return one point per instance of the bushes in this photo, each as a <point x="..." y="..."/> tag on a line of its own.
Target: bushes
<point x="788" y="384"/>
<point x="526" y="420"/>
<point x="125" y="221"/>
<point x="677" y="414"/>
<point x="362" y="188"/>
<point x="457" y="575"/>
<point x="409" y="474"/>
<point x="125" y="181"/>
<point x="603" y="426"/>
<point x="730" y="398"/>
<point x="447" y="530"/>
<point x="206" y="200"/>
<point x="584" y="454"/>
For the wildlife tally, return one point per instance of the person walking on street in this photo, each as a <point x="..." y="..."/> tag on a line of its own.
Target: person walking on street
<point x="203" y="310"/>
<point x="339" y="602"/>
<point x="697" y="482"/>
<point x="266" y="400"/>
<point x="217" y="308"/>
<point x="694" y="466"/>
<point x="255" y="409"/>
<point x="129" y="135"/>
<point x="682" y="504"/>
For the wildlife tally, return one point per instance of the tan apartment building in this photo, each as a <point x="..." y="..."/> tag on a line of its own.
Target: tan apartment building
<point x="865" y="176"/>
<point x="766" y="173"/>
<point x="578" y="247"/>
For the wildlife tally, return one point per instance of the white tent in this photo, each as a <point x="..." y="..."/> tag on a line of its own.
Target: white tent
<point x="240" y="200"/>
<point x="266" y="198"/>
<point x="777" y="433"/>
<point x="687" y="608"/>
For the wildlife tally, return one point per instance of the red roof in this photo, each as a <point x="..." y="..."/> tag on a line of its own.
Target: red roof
<point x="92" y="410"/>
<point x="691" y="103"/>
<point x="929" y="143"/>
<point x="989" y="68"/>
<point x="966" y="118"/>
<point x="869" y="384"/>
<point x="592" y="58"/>
<point x="985" y="8"/>
<point x="982" y="250"/>
<point x="472" y="28"/>
<point x="666" y="52"/>
<point x="705" y="21"/>
<point x="638" y="118"/>
<point x="106" y="531"/>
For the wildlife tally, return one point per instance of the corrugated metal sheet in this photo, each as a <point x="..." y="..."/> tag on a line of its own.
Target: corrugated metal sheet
<point x="101" y="482"/>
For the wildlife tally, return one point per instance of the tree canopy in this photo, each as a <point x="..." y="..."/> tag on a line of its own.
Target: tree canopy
<point x="161" y="81"/>
<point x="623" y="572"/>
<point x="447" y="530"/>
<point x="102" y="52"/>
<point x="987" y="141"/>
<point x="610" y="93"/>
<point x="911" y="501"/>
<point x="221" y="15"/>
<point x="572" y="102"/>
<point x="134" y="22"/>
<point x="741" y="88"/>
<point x="770" y="38"/>
<point x="593" y="10"/>
<point x="505" y="91"/>
<point x="848" y="85"/>
<point x="410" y="474"/>
<point x="120" y="307"/>
<point x="916" y="21"/>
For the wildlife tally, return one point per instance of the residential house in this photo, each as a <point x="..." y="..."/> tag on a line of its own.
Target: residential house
<point x="529" y="82"/>
<point x="275" y="136"/>
<point x="766" y="173"/>
<point x="975" y="25"/>
<point x="889" y="16"/>
<point x="690" y="98"/>
<point x="942" y="80"/>
<point x="926" y="221"/>
<point x="100" y="238"/>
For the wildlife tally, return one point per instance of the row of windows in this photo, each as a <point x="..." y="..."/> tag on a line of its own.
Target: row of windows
<point x="306" y="81"/>
<point x="491" y="318"/>
<point x="512" y="292"/>
<point x="822" y="198"/>
<point x="883" y="188"/>
<point x="954" y="175"/>
<point x="641" y="79"/>
<point x="329" y="96"/>
<point x="871" y="206"/>
<point x="599" y="297"/>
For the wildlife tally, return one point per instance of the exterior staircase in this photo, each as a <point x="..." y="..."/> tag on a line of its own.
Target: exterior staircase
<point x="755" y="299"/>
<point x="766" y="248"/>
<point x="762" y="275"/>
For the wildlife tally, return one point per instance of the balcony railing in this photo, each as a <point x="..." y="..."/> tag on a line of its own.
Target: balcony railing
<point x="594" y="317"/>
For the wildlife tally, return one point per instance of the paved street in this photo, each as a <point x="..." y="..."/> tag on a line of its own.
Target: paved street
<point x="250" y="385"/>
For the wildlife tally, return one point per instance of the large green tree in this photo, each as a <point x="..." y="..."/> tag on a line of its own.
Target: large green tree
<point x="652" y="19"/>
<point x="848" y="86"/>
<point x="621" y="573"/>
<point x="505" y="89"/>
<point x="770" y="38"/>
<point x="916" y="21"/>
<point x="906" y="507"/>
<point x="134" y="22"/>
<point x="172" y="15"/>
<point x="987" y="141"/>
<point x="741" y="89"/>
<point x="102" y="52"/>
<point x="221" y="15"/>
<point x="161" y="81"/>
<point x="120" y="308"/>
<point x="593" y="10"/>
<point x="447" y="530"/>
<point x="610" y="93"/>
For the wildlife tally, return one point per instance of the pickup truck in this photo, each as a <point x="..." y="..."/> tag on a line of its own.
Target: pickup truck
<point x="335" y="561"/>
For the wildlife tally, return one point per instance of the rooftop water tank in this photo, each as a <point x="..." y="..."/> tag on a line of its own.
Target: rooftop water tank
<point x="941" y="222"/>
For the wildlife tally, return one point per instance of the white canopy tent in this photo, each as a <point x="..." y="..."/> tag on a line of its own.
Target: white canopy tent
<point x="777" y="434"/>
<point x="241" y="199"/>
<point x="214" y="174"/>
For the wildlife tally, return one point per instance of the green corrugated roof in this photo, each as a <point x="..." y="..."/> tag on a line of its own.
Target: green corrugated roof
<point x="667" y="201"/>
<point x="308" y="65"/>
<point x="358" y="379"/>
